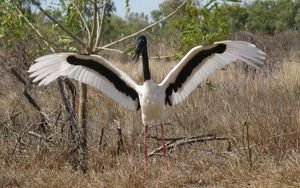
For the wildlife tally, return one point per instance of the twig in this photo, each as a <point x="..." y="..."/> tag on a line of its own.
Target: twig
<point x="162" y="57"/>
<point x="142" y="30"/>
<point x="182" y="137"/>
<point x="58" y="116"/>
<point x="111" y="49"/>
<point x="43" y="138"/>
<point x="19" y="139"/>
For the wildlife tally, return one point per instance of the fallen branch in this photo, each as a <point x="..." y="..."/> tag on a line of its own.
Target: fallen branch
<point x="181" y="141"/>
<point x="182" y="137"/>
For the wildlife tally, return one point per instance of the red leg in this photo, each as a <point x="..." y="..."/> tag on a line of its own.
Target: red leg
<point x="164" y="147"/>
<point x="145" y="147"/>
<point x="157" y="142"/>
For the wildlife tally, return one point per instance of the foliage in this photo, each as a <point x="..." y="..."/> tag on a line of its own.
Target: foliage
<point x="264" y="16"/>
<point x="205" y="25"/>
<point x="12" y="25"/>
<point x="237" y="16"/>
<point x="193" y="25"/>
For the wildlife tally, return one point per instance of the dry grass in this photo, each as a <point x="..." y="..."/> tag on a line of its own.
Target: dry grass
<point x="268" y="104"/>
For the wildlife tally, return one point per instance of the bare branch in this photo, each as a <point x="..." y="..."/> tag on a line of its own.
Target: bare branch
<point x="111" y="49"/>
<point x="100" y="24"/>
<point x="94" y="26"/>
<point x="59" y="24"/>
<point x="144" y="29"/>
<point x="84" y="23"/>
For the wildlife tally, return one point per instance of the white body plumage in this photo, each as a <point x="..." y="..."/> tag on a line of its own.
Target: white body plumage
<point x="152" y="103"/>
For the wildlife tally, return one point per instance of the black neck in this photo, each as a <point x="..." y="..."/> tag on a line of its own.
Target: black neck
<point x="146" y="69"/>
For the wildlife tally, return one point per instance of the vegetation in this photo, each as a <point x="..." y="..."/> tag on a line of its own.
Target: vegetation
<point x="257" y="113"/>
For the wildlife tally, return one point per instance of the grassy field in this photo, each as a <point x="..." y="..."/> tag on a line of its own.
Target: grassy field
<point x="259" y="115"/>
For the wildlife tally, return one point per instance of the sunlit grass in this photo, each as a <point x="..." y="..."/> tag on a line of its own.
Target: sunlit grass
<point x="267" y="102"/>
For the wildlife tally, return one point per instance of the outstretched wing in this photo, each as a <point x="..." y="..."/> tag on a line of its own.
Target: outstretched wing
<point x="200" y="62"/>
<point x="89" y="69"/>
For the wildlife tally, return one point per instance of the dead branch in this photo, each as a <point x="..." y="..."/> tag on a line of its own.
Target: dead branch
<point x="120" y="140"/>
<point x="68" y="106"/>
<point x="181" y="141"/>
<point x="18" y="76"/>
<point x="101" y="138"/>
<point x="41" y="137"/>
<point x="44" y="119"/>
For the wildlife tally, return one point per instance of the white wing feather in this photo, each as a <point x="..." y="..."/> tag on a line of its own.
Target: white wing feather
<point x="235" y="50"/>
<point x="49" y="67"/>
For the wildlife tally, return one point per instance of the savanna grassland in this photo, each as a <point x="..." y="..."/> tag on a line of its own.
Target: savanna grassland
<point x="257" y="112"/>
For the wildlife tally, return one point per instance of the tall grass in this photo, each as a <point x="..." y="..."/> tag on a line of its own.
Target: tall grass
<point x="266" y="104"/>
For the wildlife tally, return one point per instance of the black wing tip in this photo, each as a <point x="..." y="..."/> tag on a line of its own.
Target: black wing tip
<point x="71" y="59"/>
<point x="220" y="48"/>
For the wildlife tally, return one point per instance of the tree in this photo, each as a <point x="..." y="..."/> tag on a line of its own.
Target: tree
<point x="237" y="16"/>
<point x="77" y="25"/>
<point x="262" y="18"/>
<point x="195" y="24"/>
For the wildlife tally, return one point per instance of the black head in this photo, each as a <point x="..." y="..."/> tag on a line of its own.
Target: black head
<point x="140" y="47"/>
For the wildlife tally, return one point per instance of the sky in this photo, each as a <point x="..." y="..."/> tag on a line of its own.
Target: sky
<point x="145" y="6"/>
<point x="139" y="6"/>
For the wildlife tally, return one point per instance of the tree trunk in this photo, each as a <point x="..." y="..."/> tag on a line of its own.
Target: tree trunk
<point x="82" y="122"/>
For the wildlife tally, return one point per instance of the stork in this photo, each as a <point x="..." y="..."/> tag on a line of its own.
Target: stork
<point x="150" y="97"/>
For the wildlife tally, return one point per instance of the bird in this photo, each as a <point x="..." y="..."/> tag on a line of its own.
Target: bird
<point x="149" y="97"/>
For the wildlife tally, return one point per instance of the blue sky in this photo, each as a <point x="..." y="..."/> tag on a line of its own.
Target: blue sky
<point x="145" y="6"/>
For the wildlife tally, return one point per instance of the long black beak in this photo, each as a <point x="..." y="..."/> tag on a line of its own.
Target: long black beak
<point x="138" y="51"/>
